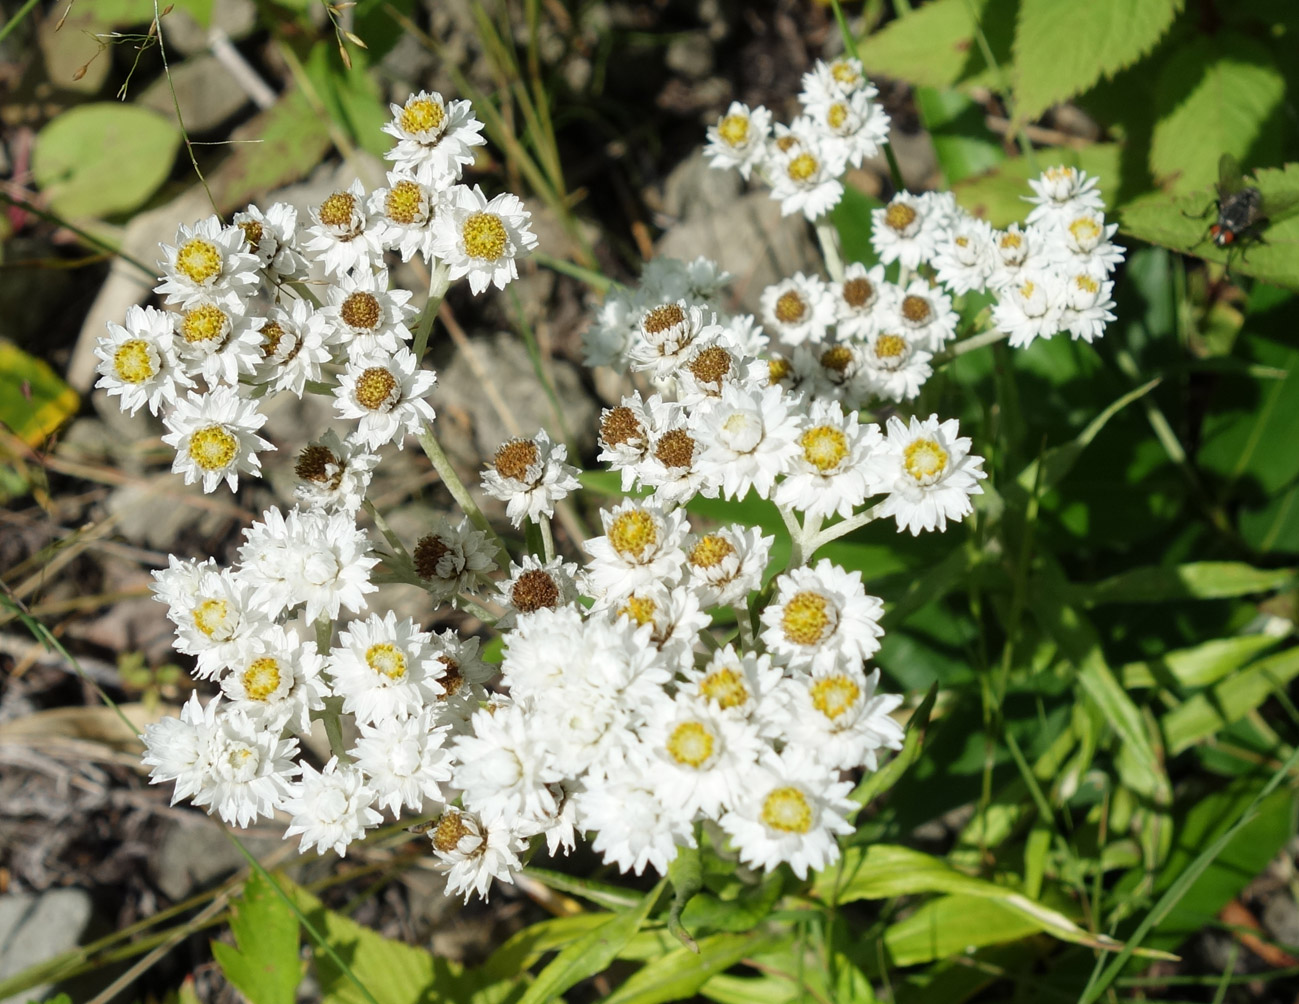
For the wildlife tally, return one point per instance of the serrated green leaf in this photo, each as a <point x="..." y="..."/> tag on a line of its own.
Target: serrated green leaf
<point x="1216" y="95"/>
<point x="265" y="967"/>
<point x="936" y="46"/>
<point x="1205" y="714"/>
<point x="998" y="195"/>
<point x="741" y="913"/>
<point x="681" y="973"/>
<point x="103" y="158"/>
<point x="1062" y="48"/>
<point x="34" y="400"/>
<point x="1200" y="580"/>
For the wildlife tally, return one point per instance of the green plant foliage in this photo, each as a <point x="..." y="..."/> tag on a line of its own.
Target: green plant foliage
<point x="680" y="973"/>
<point x="291" y="140"/>
<point x="103" y="158"/>
<point x="265" y="966"/>
<point x="1062" y="49"/>
<point x="34" y="400"/>
<point x="998" y="195"/>
<point x="936" y="45"/>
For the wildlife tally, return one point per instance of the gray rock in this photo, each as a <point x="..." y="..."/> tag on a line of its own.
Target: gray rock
<point x="235" y="18"/>
<point x="37" y="927"/>
<point x="204" y="90"/>
<point x="197" y="855"/>
<point x="1281" y="919"/>
<point x="690" y="55"/>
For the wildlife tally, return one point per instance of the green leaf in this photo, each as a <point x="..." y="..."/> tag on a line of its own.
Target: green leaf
<point x="998" y="195"/>
<point x="748" y="908"/>
<point x="1181" y="223"/>
<point x="34" y="400"/>
<point x="936" y="45"/>
<point x="265" y="967"/>
<point x="1201" y="580"/>
<point x="103" y="158"/>
<point x="686" y="874"/>
<point x="1228" y="701"/>
<point x="290" y="140"/>
<point x="852" y="218"/>
<point x="1199" y="666"/>
<point x="351" y="96"/>
<point x="1216" y="95"/>
<point x="1062" y="49"/>
<point x="953" y="925"/>
<point x="1274" y="526"/>
<point x="590" y="954"/>
<point x="957" y="126"/>
<point x="682" y="973"/>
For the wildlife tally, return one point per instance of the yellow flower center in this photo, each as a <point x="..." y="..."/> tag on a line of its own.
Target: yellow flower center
<point x="691" y="744"/>
<point x="199" y="261"/>
<point x="786" y="143"/>
<point x="834" y="695"/>
<point x="337" y="210"/>
<point x="210" y="617"/>
<point x="272" y="334"/>
<point x="663" y="318"/>
<point x="641" y="609"/>
<point x="726" y="686"/>
<point x="386" y="659"/>
<point x="619" y="425"/>
<point x="252" y="234"/>
<point x="633" y="533"/>
<point x="377" y="389"/>
<point x="711" y="365"/>
<point x="710" y="551"/>
<point x="361" y="311"/>
<point x="837" y="359"/>
<point x="837" y="115"/>
<point x="1086" y="283"/>
<point x="213" y="448"/>
<point x="802" y="167"/>
<point x="1011" y="240"/>
<point x="513" y="459"/>
<point x="824" y="447"/>
<point x="857" y="292"/>
<point x="843" y="72"/>
<point x="734" y="130"/>
<point x="133" y="363"/>
<point x="450" y="830"/>
<point x="808" y="618"/>
<point x="422" y="115"/>
<point x="1060" y="173"/>
<point x="899" y="216"/>
<point x="261" y="678"/>
<point x="778" y="368"/>
<point x="204" y="323"/>
<point x="890" y="347"/>
<point x="1085" y="230"/>
<point x="484" y="236"/>
<point x="924" y="460"/>
<point x="402" y="203"/>
<point x="787" y="810"/>
<point x="790" y="307"/>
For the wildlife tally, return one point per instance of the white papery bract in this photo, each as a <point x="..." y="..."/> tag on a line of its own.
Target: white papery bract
<point x="333" y="475"/>
<point x="860" y="300"/>
<point x="799" y="309"/>
<point x="908" y="229"/>
<point x="385" y="395"/>
<point x="404" y="761"/>
<point x="217" y="343"/>
<point x="726" y="564"/>
<point x="453" y="558"/>
<point x="852" y="126"/>
<point x="700" y="759"/>
<point x="625" y="435"/>
<point x="208" y="263"/>
<point x="404" y="213"/>
<point x="482" y="239"/>
<point x="342" y="238"/>
<point x="966" y="254"/>
<point x="749" y="439"/>
<point x="893" y="367"/>
<point x="839" y="78"/>
<point x="215" y="438"/>
<point x="1083" y="243"/>
<point x="138" y="362"/>
<point x="1088" y="304"/>
<point x="385" y="669"/>
<point x="535" y="584"/>
<point x="674" y="617"/>
<point x="366" y="315"/>
<point x="530" y="476"/>
<point x="435" y="138"/>
<point x="634" y="826"/>
<point x="1020" y="252"/>
<point x="732" y="682"/>
<point x="473" y="853"/>
<point x="791" y="812"/>
<point x="314" y="558"/>
<point x="838" y="718"/>
<point x="1030" y="308"/>
<point x="925" y="314"/>
<point x="929" y="473"/>
<point x="829" y="473"/>
<point x="1060" y="192"/>
<point x="212" y="610"/>
<point x="821" y="617"/>
<point x="273" y="239"/>
<point x="504" y="768"/>
<point x="275" y="679"/>
<point x="179" y="749"/>
<point x="806" y="177"/>
<point x="668" y="335"/>
<point x="739" y="139"/>
<point x="297" y="344"/>
<point x="331" y="808"/>
<point x="249" y="768"/>
<point x="641" y="545"/>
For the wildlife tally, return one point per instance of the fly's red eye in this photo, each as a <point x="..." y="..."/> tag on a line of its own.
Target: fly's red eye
<point x="1214" y="231"/>
<point x="1226" y="236"/>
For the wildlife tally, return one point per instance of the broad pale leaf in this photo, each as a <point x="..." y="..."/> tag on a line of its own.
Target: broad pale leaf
<point x="1062" y="48"/>
<point x="34" y="400"/>
<point x="265" y="967"/>
<point x="936" y="45"/>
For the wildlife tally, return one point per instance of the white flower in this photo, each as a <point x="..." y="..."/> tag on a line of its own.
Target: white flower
<point x="668" y="335"/>
<point x="503" y="769"/>
<point x="537" y="585"/>
<point x="320" y="559"/>
<point x="633" y="826"/>
<point x="821" y="617"/>
<point x="1083" y="243"/>
<point x="404" y="761"/>
<point x="333" y="476"/>
<point x="797" y="310"/>
<point x="743" y="684"/>
<point x="700" y="757"/>
<point x="208" y="263"/>
<point x="806" y="178"/>
<point x="700" y="381"/>
<point x="272" y="238"/>
<point x="925" y="314"/>
<point x="212" y="610"/>
<point x="435" y="138"/>
<point x="275" y="679"/>
<point x="675" y="619"/>
<point x="749" y="437"/>
<point x="1060" y="192"/>
<point x="895" y="368"/>
<point x="791" y="811"/>
<point x="1088" y="306"/>
<point x="179" y="749"/>
<point x="624" y="436"/>
<point x="482" y="239"/>
<point x="1019" y="253"/>
<point x="641" y="545"/>
<point x="852" y="126"/>
<point x="297" y="343"/>
<point x="673" y="466"/>
<point x="386" y="394"/>
<point x="342" y="239"/>
<point x="219" y="344"/>
<point x="836" y="371"/>
<point x="331" y="808"/>
<point x="860" y="299"/>
<point x="828" y="474"/>
<point x="840" y="78"/>
<point x="1030" y="308"/>
<point x="249" y="769"/>
<point x="367" y="316"/>
<point x="530" y="476"/>
<point x="215" y="438"/>
<point x="743" y="337"/>
<point x="385" y="669"/>
<point x="473" y="853"/>
<point x="462" y="680"/>
<point x="138" y="361"/>
<point x="907" y="230"/>
<point x="929" y="472"/>
<point x="611" y="329"/>
<point x="966" y="254"/>
<point x="839" y="719"/>
<point x="453" y="558"/>
<point x="739" y="139"/>
<point x="404" y="213"/>
<point x="726" y="564"/>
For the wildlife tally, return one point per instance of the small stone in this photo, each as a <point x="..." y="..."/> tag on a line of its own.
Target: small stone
<point x="36" y="927"/>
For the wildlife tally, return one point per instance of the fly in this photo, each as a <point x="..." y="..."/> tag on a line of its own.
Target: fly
<point x="1243" y="213"/>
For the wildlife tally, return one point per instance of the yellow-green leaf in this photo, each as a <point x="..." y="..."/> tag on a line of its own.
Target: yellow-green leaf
<point x="34" y="400"/>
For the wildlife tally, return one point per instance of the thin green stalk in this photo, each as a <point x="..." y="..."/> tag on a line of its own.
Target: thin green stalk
<point x="547" y="538"/>
<point x="85" y="235"/>
<point x="438" y="283"/>
<point x="17" y="19"/>
<point x="837" y="530"/>
<point x="829" y="239"/>
<point x="590" y="276"/>
<point x="795" y="536"/>
<point x="442" y="464"/>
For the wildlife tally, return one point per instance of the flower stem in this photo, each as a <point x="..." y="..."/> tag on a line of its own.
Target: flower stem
<point x="547" y="538"/>
<point x="829" y="238"/>
<point x="838" y="530"/>
<point x="442" y="464"/>
<point x="795" y="537"/>
<point x="438" y="284"/>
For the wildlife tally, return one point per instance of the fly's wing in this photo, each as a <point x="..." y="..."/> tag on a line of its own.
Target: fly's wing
<point x="1229" y="179"/>
<point x="1279" y="205"/>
